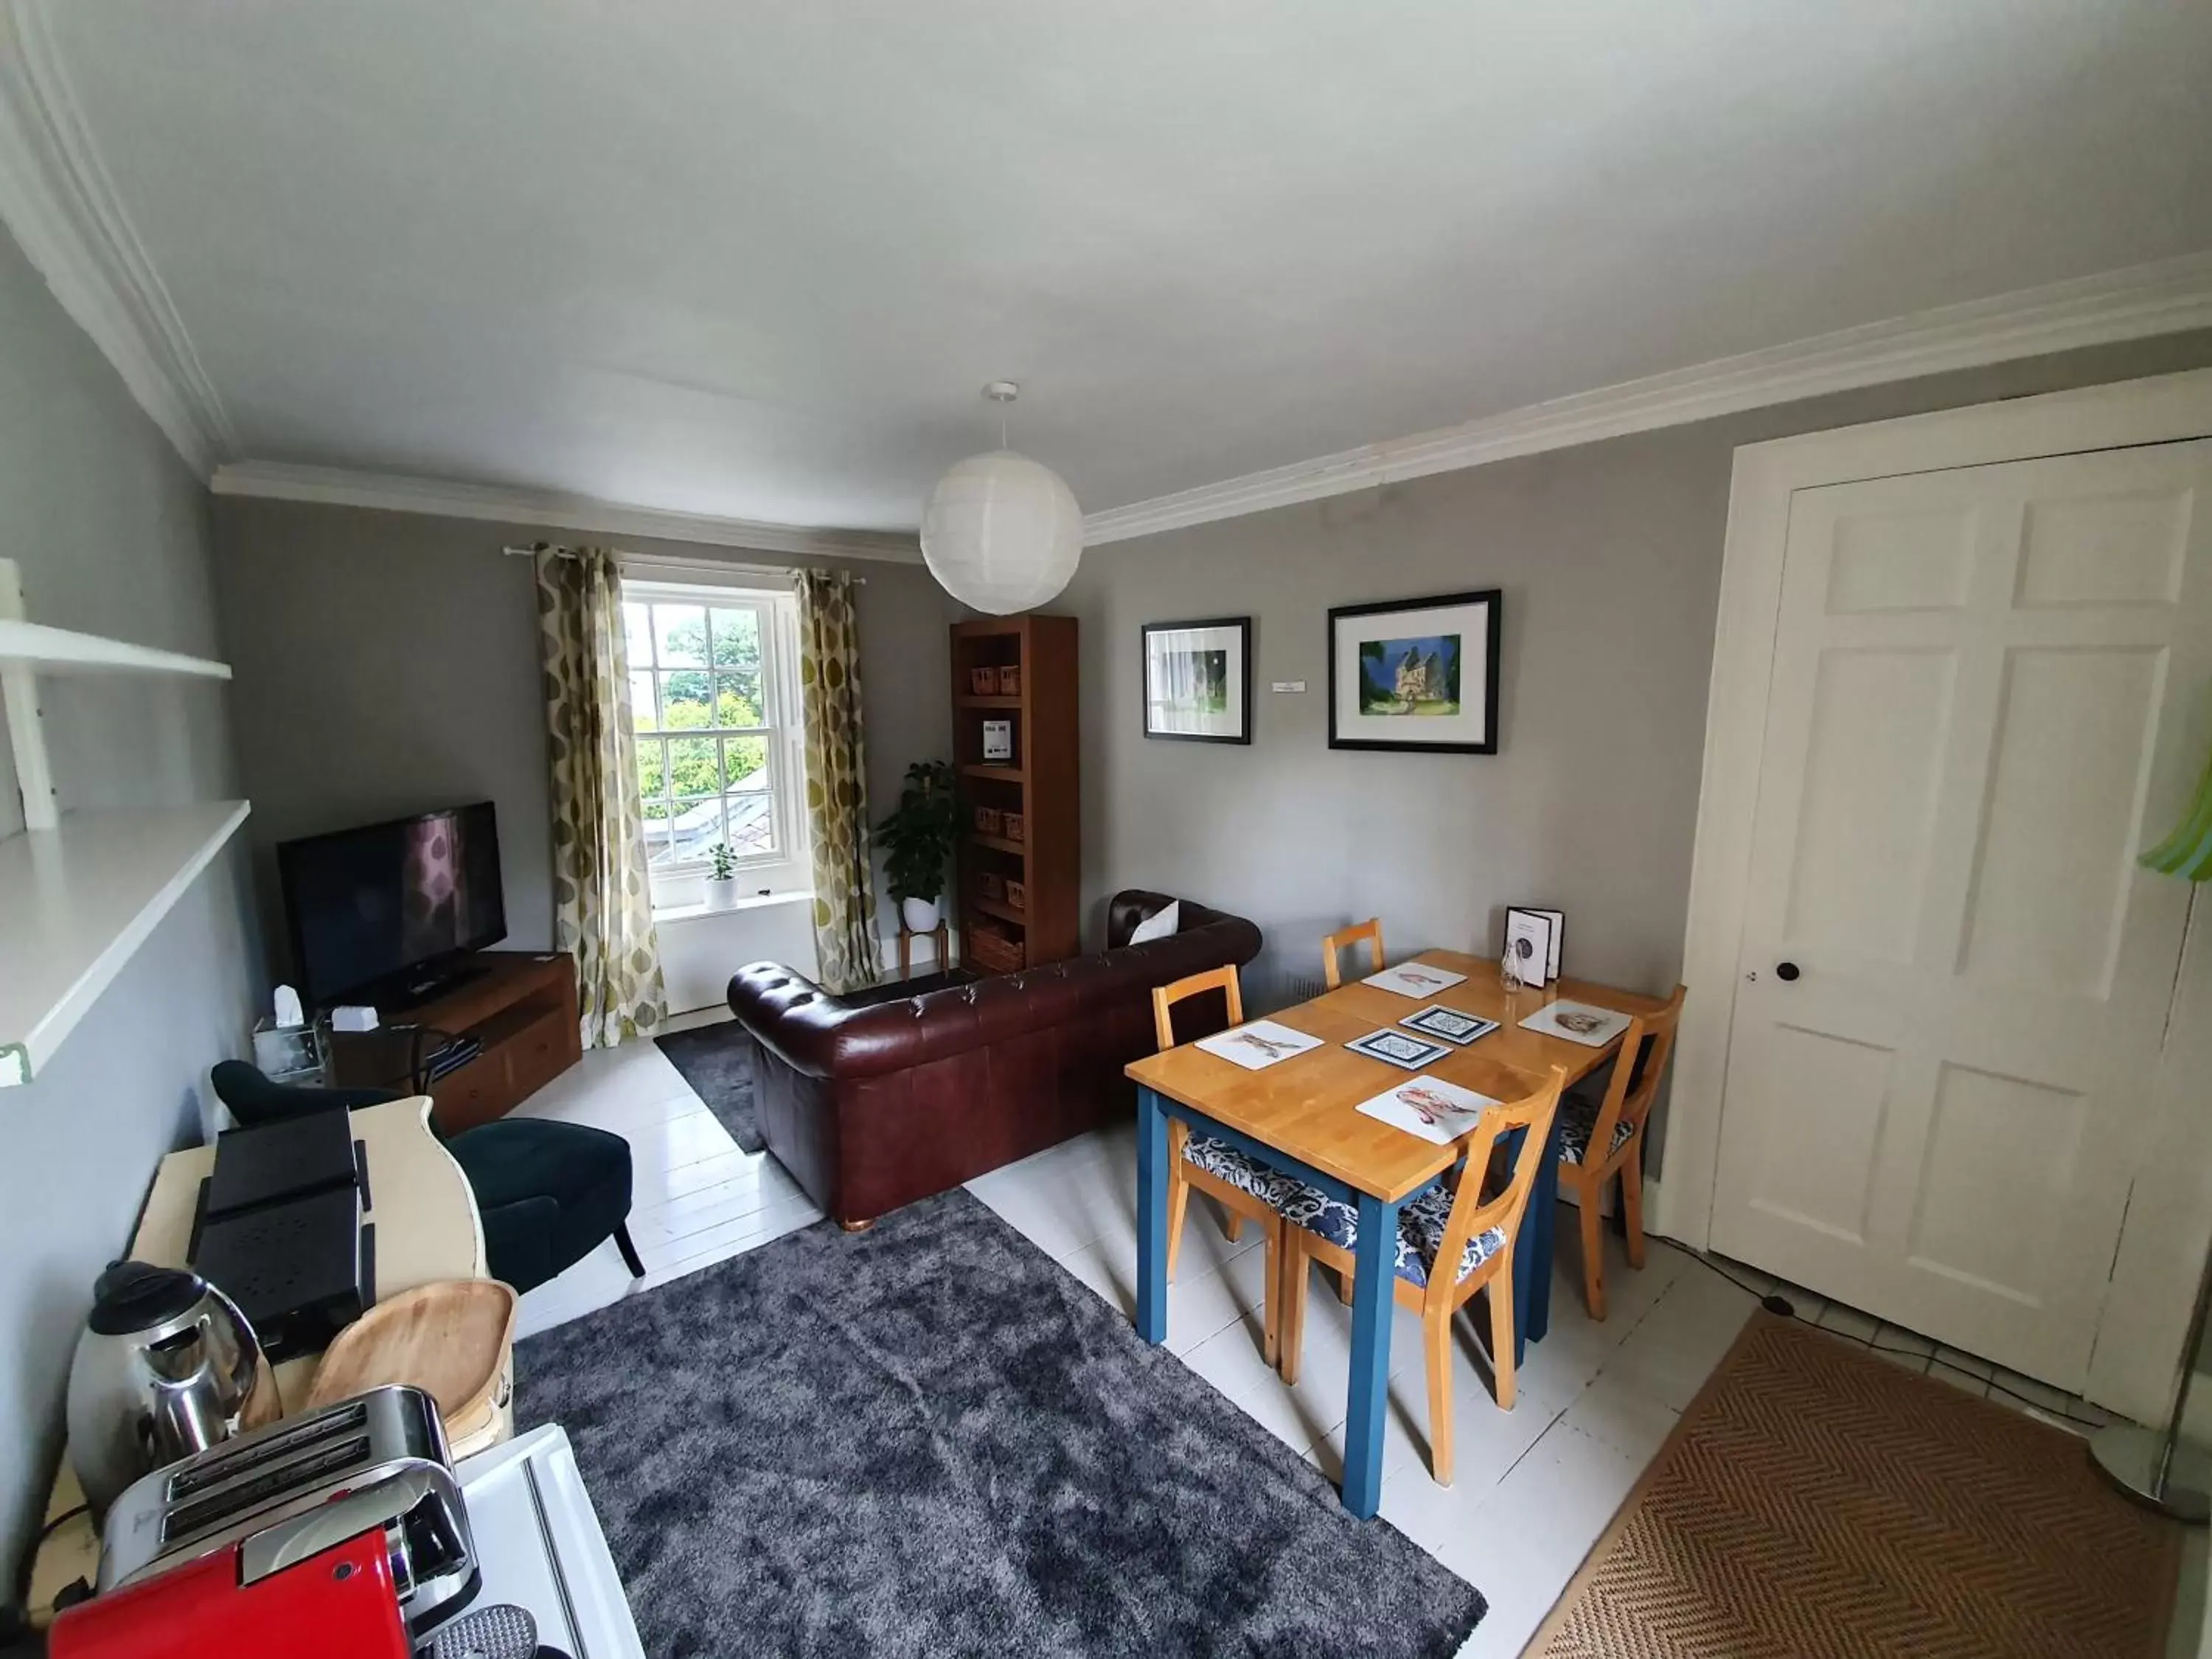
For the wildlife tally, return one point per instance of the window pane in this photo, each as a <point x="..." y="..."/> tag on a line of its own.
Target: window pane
<point x="697" y="826"/>
<point x="738" y="700"/>
<point x="651" y="768"/>
<point x="693" y="769"/>
<point x="752" y="824"/>
<point x="684" y="701"/>
<point x="642" y="717"/>
<point x="737" y="639"/>
<point x="637" y="628"/>
<point x="657" y="847"/>
<point x="746" y="762"/>
<point x="682" y="633"/>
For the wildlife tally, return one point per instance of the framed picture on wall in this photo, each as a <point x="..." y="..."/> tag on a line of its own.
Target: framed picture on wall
<point x="1415" y="674"/>
<point x="1198" y="680"/>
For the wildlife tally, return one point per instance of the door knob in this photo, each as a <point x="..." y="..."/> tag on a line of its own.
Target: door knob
<point x="1785" y="971"/>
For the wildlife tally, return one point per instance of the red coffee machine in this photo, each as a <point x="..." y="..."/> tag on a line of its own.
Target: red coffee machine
<point x="340" y="1534"/>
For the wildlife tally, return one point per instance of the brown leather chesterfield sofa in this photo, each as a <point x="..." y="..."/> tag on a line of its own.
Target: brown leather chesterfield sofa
<point x="872" y="1103"/>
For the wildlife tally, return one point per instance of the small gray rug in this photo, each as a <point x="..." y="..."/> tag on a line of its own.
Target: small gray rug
<point x="717" y="1062"/>
<point x="929" y="1439"/>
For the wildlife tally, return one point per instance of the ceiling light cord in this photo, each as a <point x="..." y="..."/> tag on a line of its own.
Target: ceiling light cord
<point x="1002" y="394"/>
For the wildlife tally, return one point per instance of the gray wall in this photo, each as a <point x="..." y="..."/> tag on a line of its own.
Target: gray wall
<point x="1609" y="559"/>
<point x="111" y="531"/>
<point x="388" y="662"/>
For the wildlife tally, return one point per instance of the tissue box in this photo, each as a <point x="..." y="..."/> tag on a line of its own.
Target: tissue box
<point x="288" y="1053"/>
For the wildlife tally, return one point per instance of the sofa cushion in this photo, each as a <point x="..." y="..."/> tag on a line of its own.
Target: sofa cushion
<point x="1161" y="924"/>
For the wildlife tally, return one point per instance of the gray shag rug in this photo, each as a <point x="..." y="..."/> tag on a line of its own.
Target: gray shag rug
<point x="930" y="1439"/>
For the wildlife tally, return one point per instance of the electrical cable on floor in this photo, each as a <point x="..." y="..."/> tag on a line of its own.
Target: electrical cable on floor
<point x="1780" y="1305"/>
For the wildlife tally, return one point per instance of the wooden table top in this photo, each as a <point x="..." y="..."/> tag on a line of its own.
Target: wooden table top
<point x="1307" y="1105"/>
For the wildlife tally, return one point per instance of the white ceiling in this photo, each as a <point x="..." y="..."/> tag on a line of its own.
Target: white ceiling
<point x="754" y="257"/>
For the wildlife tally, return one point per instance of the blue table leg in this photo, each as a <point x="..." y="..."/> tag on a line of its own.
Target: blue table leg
<point x="1374" y="1285"/>
<point x="1546" y="1193"/>
<point x="1151" y="1218"/>
<point x="1532" y="1252"/>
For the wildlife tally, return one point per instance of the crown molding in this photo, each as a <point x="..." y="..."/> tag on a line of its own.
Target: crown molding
<point x="57" y="198"/>
<point x="332" y="486"/>
<point x="2164" y="298"/>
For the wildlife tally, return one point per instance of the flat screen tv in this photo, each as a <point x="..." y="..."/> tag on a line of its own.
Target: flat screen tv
<point x="384" y="914"/>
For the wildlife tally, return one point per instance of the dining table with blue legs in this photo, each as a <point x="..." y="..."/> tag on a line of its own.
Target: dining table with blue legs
<point x="1301" y="1116"/>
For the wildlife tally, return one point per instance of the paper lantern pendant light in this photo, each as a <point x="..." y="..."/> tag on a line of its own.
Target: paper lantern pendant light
<point x="1001" y="533"/>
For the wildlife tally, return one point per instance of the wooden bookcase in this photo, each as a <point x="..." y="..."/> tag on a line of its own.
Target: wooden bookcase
<point x="1019" y="897"/>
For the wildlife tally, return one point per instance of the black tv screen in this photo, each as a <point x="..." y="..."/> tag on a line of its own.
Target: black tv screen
<point x="370" y="906"/>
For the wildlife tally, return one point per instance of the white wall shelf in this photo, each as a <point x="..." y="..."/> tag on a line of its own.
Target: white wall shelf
<point x="59" y="651"/>
<point x="28" y="649"/>
<point x="78" y="901"/>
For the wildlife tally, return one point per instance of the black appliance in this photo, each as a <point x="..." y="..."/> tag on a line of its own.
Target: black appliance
<point x="384" y="914"/>
<point x="279" y="1228"/>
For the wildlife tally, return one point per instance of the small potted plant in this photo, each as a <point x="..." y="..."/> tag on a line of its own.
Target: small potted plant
<point x="722" y="878"/>
<point x="918" y="836"/>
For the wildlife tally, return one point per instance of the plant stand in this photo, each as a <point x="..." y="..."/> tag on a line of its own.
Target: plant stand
<point x="942" y="933"/>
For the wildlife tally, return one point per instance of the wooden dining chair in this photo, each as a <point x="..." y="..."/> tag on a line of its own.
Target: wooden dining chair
<point x="1615" y="1124"/>
<point x="1447" y="1221"/>
<point x="1245" y="1188"/>
<point x="1370" y="930"/>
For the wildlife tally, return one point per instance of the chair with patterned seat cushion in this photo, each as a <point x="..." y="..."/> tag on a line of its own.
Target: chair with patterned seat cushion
<point x="1614" y="1121"/>
<point x="1578" y="1116"/>
<point x="1245" y="1188"/>
<point x="1452" y="1241"/>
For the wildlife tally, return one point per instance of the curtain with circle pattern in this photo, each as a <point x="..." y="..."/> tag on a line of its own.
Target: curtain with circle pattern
<point x="836" y="780"/>
<point x="602" y="902"/>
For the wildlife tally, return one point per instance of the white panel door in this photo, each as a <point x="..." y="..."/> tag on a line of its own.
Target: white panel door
<point x="1954" y="978"/>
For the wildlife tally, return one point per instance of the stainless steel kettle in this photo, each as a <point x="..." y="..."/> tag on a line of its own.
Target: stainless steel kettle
<point x="165" y="1367"/>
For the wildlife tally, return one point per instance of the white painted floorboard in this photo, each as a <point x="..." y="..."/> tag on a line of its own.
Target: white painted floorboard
<point x="1532" y="1487"/>
<point x="696" y="1199"/>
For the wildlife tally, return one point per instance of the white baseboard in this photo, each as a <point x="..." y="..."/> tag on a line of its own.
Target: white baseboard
<point x="2196" y="1421"/>
<point x="1606" y="1201"/>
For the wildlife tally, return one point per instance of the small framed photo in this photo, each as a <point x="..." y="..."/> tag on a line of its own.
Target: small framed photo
<point x="1415" y="674"/>
<point x="1398" y="1050"/>
<point x="1451" y="1024"/>
<point x="998" y="743"/>
<point x="1198" y="680"/>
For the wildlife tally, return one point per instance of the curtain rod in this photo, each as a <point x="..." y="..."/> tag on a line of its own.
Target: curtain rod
<point x="679" y="562"/>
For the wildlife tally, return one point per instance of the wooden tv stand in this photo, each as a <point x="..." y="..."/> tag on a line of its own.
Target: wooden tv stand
<point x="519" y="1005"/>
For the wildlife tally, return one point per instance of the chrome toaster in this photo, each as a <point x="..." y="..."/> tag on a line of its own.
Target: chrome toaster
<point x="287" y="1491"/>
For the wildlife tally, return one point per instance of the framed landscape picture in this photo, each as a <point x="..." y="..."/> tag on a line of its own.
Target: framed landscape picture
<point x="1415" y="674"/>
<point x="1198" y="680"/>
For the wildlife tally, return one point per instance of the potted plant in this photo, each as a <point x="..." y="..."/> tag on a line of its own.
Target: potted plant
<point x="722" y="879"/>
<point x="918" y="836"/>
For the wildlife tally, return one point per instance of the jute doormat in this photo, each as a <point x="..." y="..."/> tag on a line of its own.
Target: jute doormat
<point x="1816" y="1500"/>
